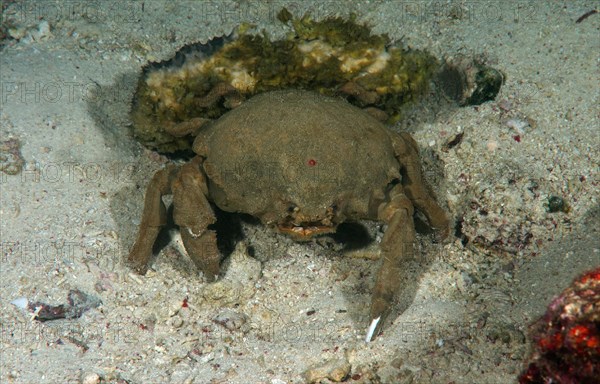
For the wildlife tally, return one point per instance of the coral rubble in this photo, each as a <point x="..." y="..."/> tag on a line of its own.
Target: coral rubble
<point x="11" y="160"/>
<point x="567" y="337"/>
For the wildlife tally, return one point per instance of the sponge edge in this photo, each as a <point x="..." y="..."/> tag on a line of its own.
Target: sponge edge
<point x="322" y="56"/>
<point x="371" y="329"/>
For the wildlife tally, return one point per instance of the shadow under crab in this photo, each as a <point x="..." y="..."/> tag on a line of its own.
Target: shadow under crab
<point x="302" y="163"/>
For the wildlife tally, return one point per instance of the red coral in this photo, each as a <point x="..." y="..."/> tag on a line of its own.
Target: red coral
<point x="567" y="337"/>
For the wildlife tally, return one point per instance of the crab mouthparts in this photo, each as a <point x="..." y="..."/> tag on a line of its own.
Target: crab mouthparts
<point x="304" y="232"/>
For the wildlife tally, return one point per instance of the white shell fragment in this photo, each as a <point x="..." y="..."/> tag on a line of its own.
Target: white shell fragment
<point x="21" y="302"/>
<point x="372" y="329"/>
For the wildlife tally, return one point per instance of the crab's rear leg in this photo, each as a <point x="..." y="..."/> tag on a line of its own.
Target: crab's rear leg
<point x="154" y="217"/>
<point x="190" y="127"/>
<point x="398" y="242"/>
<point x="415" y="187"/>
<point x="397" y="249"/>
<point x="193" y="213"/>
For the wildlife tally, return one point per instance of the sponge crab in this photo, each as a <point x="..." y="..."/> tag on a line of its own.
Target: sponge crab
<point x="302" y="163"/>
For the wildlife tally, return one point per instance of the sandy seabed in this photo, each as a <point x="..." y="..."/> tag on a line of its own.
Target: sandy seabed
<point x="68" y="72"/>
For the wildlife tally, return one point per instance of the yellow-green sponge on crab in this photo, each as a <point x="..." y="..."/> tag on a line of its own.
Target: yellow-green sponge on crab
<point x="334" y="56"/>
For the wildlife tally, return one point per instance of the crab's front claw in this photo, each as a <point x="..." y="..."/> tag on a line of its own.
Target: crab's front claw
<point x="154" y="218"/>
<point x="193" y="213"/>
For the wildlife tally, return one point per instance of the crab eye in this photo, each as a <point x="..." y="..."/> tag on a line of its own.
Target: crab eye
<point x="292" y="208"/>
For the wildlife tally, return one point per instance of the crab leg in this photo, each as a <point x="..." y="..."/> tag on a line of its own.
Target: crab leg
<point x="154" y="217"/>
<point x="193" y="213"/>
<point x="398" y="242"/>
<point x="415" y="187"/>
<point x="397" y="248"/>
<point x="190" y="127"/>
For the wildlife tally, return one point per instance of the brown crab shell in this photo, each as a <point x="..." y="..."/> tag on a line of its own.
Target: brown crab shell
<point x="282" y="149"/>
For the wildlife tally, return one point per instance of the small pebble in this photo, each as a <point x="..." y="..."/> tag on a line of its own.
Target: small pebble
<point x="43" y="30"/>
<point x="11" y="160"/>
<point x="557" y="204"/>
<point x="92" y="378"/>
<point x="505" y="105"/>
<point x="176" y="322"/>
<point x="231" y="320"/>
<point x="335" y="370"/>
<point x="492" y="145"/>
<point x="518" y="125"/>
